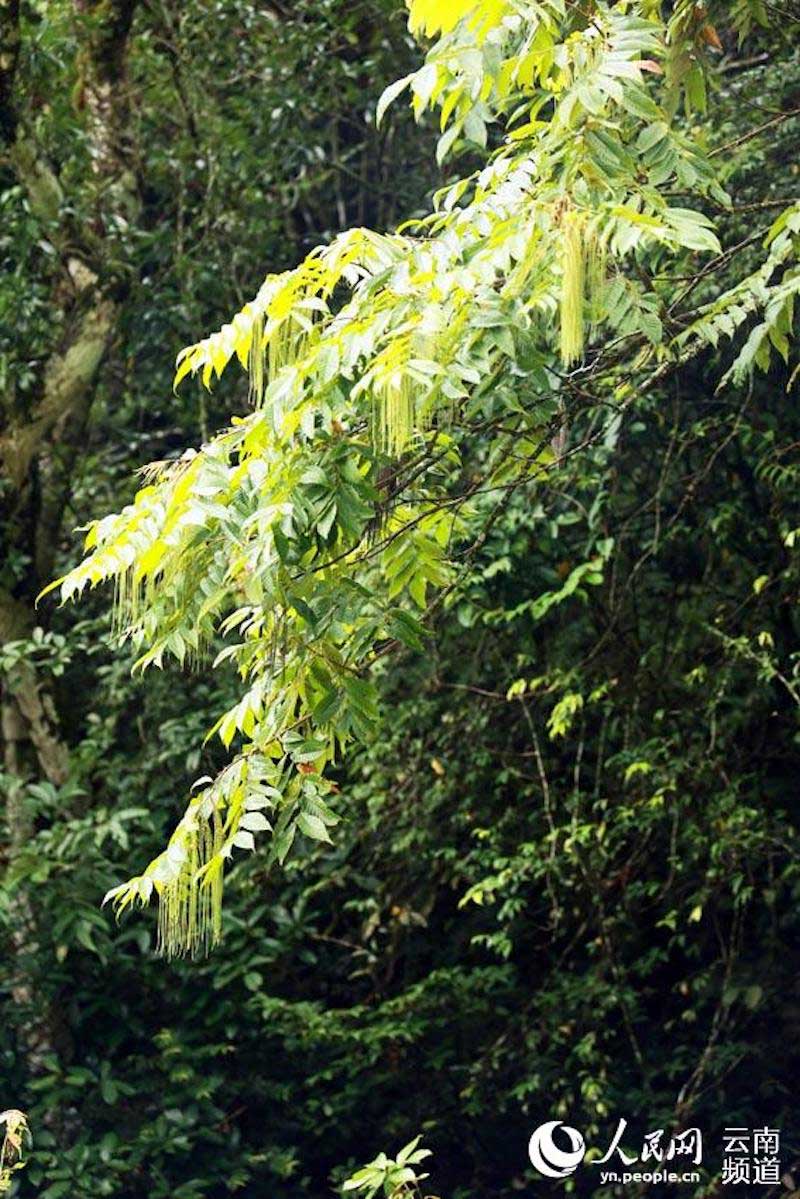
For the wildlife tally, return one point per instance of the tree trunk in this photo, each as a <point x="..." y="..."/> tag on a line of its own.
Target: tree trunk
<point x="41" y="441"/>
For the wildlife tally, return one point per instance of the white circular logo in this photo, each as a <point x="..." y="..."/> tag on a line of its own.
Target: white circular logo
<point x="546" y="1155"/>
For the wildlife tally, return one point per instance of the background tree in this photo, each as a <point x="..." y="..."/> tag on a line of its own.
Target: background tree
<point x="563" y="882"/>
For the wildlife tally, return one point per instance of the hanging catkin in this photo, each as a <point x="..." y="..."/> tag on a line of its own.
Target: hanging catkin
<point x="190" y="905"/>
<point x="255" y="362"/>
<point x="395" y="416"/>
<point x="595" y="255"/>
<point x="572" y="287"/>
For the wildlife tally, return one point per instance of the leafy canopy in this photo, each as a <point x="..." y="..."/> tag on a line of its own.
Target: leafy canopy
<point x="404" y="385"/>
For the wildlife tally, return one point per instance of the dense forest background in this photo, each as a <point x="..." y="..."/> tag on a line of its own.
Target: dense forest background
<point x="565" y="884"/>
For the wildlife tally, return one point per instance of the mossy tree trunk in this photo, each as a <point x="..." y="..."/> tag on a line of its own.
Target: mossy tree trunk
<point x="42" y="434"/>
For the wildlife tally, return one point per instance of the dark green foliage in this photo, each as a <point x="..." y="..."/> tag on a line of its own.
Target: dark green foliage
<point x="565" y="881"/>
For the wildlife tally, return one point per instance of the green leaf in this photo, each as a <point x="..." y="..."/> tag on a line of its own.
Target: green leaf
<point x="313" y="827"/>
<point x="389" y="94"/>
